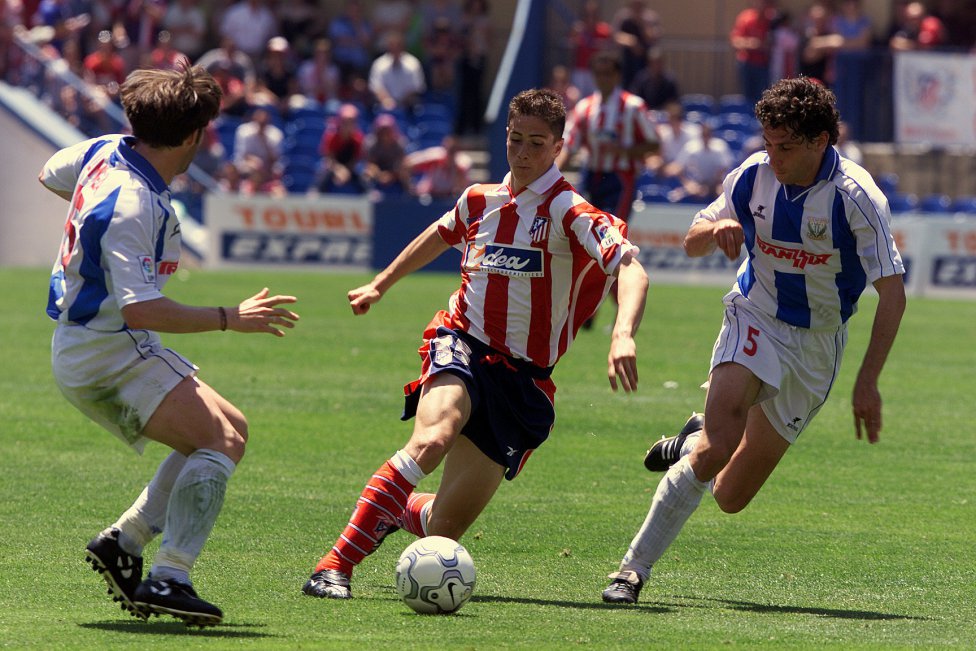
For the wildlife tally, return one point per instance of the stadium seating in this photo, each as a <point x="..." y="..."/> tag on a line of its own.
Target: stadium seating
<point x="888" y="183"/>
<point x="698" y="102"/>
<point x="965" y="204"/>
<point x="902" y="202"/>
<point x="935" y="203"/>
<point x="734" y="104"/>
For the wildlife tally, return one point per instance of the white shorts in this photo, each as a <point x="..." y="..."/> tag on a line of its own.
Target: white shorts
<point x="117" y="379"/>
<point x="797" y="366"/>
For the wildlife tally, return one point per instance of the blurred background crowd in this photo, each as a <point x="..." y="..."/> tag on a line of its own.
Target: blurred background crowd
<point x="387" y="97"/>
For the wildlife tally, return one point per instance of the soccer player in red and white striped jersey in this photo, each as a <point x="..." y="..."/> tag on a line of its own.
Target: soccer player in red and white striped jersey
<point x="537" y="260"/>
<point x="614" y="130"/>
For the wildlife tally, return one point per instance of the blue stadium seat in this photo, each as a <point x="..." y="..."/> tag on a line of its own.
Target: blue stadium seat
<point x="298" y="181"/>
<point x="226" y="125"/>
<point x="902" y="202"/>
<point x="965" y="204"/>
<point x="935" y="203"/>
<point x="888" y="183"/>
<point x="734" y="104"/>
<point x="698" y="102"/>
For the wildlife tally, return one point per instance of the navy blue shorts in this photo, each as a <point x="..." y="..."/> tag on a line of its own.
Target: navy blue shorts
<point x="612" y="192"/>
<point x="512" y="409"/>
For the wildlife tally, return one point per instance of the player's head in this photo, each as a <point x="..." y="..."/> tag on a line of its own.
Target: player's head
<point x="800" y="105"/>
<point x="607" y="68"/>
<point x="540" y="103"/>
<point x="165" y="107"/>
<point x="799" y="122"/>
<point x="536" y="120"/>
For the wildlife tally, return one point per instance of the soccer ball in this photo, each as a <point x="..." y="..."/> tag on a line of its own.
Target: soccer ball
<point x="435" y="575"/>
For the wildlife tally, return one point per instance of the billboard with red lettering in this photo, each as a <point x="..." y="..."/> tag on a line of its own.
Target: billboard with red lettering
<point x="328" y="231"/>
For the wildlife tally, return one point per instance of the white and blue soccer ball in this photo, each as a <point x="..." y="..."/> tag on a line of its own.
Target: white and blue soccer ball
<point x="435" y="575"/>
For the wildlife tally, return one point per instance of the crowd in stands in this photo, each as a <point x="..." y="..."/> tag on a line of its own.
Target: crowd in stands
<point x="372" y="97"/>
<point x="355" y="98"/>
<point x="703" y="137"/>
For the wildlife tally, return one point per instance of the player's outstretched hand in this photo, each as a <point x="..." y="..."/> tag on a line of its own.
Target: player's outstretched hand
<point x="261" y="313"/>
<point x="361" y="298"/>
<point x="622" y="363"/>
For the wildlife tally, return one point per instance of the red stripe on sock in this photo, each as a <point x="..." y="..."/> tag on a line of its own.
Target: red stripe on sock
<point x="412" y="520"/>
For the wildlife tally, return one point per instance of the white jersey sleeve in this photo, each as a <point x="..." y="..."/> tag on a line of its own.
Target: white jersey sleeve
<point x="61" y="171"/>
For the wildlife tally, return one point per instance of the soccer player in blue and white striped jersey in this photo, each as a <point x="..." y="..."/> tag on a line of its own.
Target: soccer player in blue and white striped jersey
<point x="121" y="243"/>
<point x="816" y="231"/>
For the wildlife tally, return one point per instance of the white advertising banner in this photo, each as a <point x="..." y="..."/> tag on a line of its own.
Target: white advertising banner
<point x="935" y="98"/>
<point x="331" y="231"/>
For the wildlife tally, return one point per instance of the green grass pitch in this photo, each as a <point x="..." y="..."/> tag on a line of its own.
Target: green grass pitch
<point x="849" y="546"/>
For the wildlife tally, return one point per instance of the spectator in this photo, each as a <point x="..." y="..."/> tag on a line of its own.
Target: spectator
<point x="385" y="153"/>
<point x="342" y="150"/>
<point x="233" y="90"/>
<point x="257" y="145"/>
<point x="854" y="33"/>
<point x="701" y="165"/>
<point x="235" y="62"/>
<point x="260" y="180"/>
<point x="62" y="17"/>
<point x="444" y="170"/>
<point x="164" y="56"/>
<point x="561" y="83"/>
<point x="396" y="77"/>
<point x="319" y="77"/>
<point x="391" y="16"/>
<point x="249" y="23"/>
<point x="229" y="178"/>
<point x="589" y="35"/>
<point x="104" y="67"/>
<point x="750" y="40"/>
<point x="142" y="20"/>
<point x="654" y="83"/>
<point x="846" y="147"/>
<point x="820" y="42"/>
<point x="442" y="56"/>
<point x="637" y="29"/>
<point x="784" y="48"/>
<point x="920" y="30"/>
<point x="475" y="26"/>
<point x="277" y="73"/>
<point x="673" y="134"/>
<point x="301" y="23"/>
<point x="185" y="21"/>
<point x="352" y="39"/>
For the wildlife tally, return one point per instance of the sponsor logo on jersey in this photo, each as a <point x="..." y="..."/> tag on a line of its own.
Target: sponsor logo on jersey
<point x="794" y="424"/>
<point x="799" y="257"/>
<point x="147" y="264"/>
<point x="758" y="212"/>
<point x="168" y="267"/>
<point x="504" y="259"/>
<point x="817" y="228"/>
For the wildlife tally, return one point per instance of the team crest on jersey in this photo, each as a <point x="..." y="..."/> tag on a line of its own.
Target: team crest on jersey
<point x="539" y="231"/>
<point x="504" y="259"/>
<point x="817" y="228"/>
<point x="148" y="266"/>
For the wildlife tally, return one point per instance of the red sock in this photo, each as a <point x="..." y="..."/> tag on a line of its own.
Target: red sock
<point x="414" y="517"/>
<point x="377" y="509"/>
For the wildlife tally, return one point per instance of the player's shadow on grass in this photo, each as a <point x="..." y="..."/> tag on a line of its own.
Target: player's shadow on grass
<point x="837" y="613"/>
<point x="597" y="605"/>
<point x="163" y="627"/>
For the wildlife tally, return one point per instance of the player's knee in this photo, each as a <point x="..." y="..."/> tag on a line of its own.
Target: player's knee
<point x="731" y="503"/>
<point x="428" y="449"/>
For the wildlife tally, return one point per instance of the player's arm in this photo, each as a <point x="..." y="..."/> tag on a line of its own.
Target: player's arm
<point x="705" y="236"/>
<point x="866" y="401"/>
<point x="259" y="313"/>
<point x="632" y="286"/>
<point x="424" y="249"/>
<point x="60" y="172"/>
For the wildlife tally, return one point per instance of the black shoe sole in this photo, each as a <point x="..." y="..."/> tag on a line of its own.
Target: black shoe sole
<point x="189" y="618"/>
<point x="114" y="590"/>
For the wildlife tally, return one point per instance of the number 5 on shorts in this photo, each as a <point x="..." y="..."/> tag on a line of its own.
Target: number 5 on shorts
<point x="751" y="344"/>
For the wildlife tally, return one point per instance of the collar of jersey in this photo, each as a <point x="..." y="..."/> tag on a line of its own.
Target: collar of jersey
<point x="828" y="166"/>
<point x="143" y="167"/>
<point x="541" y="184"/>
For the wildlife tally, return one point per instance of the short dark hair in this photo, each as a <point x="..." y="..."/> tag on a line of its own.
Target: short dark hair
<point x="800" y="105"/>
<point x="540" y="103"/>
<point x="165" y="107"/>
<point x="610" y="58"/>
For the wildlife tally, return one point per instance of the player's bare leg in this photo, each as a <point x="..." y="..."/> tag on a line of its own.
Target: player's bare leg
<point x="758" y="454"/>
<point x="469" y="481"/>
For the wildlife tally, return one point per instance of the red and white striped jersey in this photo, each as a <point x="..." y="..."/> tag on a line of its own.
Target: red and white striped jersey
<point x="535" y="265"/>
<point x="596" y="125"/>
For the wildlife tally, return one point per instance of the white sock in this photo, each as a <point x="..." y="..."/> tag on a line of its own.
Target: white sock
<point x="195" y="502"/>
<point x="689" y="444"/>
<point x="676" y="498"/>
<point x="144" y="520"/>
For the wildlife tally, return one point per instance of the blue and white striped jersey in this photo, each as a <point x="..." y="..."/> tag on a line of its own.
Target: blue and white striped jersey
<point x="811" y="251"/>
<point x="121" y="239"/>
